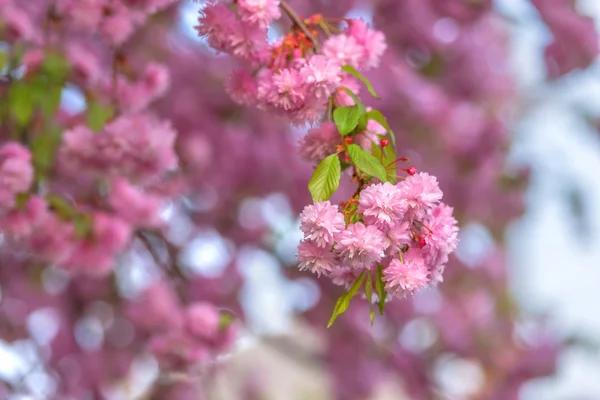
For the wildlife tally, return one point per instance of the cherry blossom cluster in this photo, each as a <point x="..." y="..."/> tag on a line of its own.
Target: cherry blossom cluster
<point x="180" y="336"/>
<point x="83" y="185"/>
<point x="77" y="199"/>
<point x="292" y="77"/>
<point x="115" y="20"/>
<point x="402" y="228"/>
<point x="85" y="229"/>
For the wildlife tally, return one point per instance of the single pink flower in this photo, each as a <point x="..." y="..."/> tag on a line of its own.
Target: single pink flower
<point x="315" y="259"/>
<point x="321" y="223"/>
<point x="361" y="246"/>
<point x="382" y="205"/>
<point x="319" y="142"/>
<point x="408" y="275"/>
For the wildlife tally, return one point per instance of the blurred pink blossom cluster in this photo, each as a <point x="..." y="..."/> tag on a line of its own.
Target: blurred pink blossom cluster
<point x="181" y="337"/>
<point x="99" y="196"/>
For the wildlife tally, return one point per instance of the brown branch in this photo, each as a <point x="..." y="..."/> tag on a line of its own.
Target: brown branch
<point x="298" y="22"/>
<point x="171" y="270"/>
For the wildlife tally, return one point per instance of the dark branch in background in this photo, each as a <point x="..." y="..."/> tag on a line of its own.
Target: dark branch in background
<point x="171" y="270"/>
<point x="298" y="22"/>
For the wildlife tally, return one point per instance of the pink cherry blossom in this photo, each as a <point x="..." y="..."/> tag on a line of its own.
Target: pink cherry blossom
<point x="134" y="205"/>
<point x="16" y="172"/>
<point x="408" y="275"/>
<point x="202" y="320"/>
<point x="321" y="223"/>
<point x="259" y="12"/>
<point x="373" y="43"/>
<point x="361" y="246"/>
<point x="345" y="49"/>
<point x="322" y="74"/>
<point x="382" y="205"/>
<point x="420" y="191"/>
<point x="242" y="87"/>
<point x="319" y="142"/>
<point x="315" y="259"/>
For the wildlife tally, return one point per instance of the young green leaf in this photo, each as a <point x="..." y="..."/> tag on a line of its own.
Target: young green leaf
<point x="61" y="207"/>
<point x="346" y="119"/>
<point x="380" y="289"/>
<point x="43" y="149"/>
<point x="369" y="287"/>
<point x="389" y="157"/>
<point x="3" y="60"/>
<point x="352" y="71"/>
<point x="326" y="178"/>
<point x="366" y="162"/>
<point x="378" y="117"/>
<point x="343" y="302"/>
<point x="21" y="102"/>
<point x="98" y="114"/>
<point x="83" y="225"/>
<point x="46" y="95"/>
<point x="56" y="67"/>
<point x="363" y="119"/>
<point x="353" y="96"/>
<point x="225" y="320"/>
<point x="369" y="294"/>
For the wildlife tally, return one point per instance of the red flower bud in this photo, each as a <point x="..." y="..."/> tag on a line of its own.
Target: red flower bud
<point x="383" y="142"/>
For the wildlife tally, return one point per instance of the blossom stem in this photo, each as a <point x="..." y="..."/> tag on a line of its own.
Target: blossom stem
<point x="296" y="19"/>
<point x="325" y="28"/>
<point x="403" y="159"/>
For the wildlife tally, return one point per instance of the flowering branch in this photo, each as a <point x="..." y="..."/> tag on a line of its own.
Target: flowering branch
<point x="379" y="236"/>
<point x="298" y="22"/>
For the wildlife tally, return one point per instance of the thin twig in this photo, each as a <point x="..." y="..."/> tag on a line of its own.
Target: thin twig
<point x="171" y="271"/>
<point x="296" y="19"/>
<point x="115" y="80"/>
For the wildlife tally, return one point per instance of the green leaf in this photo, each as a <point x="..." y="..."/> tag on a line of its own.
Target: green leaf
<point x="389" y="157"/>
<point x="83" y="225"/>
<point x="363" y="119"/>
<point x="351" y="214"/>
<point x="43" y="148"/>
<point x="369" y="294"/>
<point x="346" y="119"/>
<point x="378" y="117"/>
<point x="366" y="162"/>
<point x="353" y="95"/>
<point x="56" y="67"/>
<point x="98" y="114"/>
<point x="352" y="71"/>
<point x="21" y="102"/>
<point x="21" y="199"/>
<point x="325" y="179"/>
<point x="225" y="320"/>
<point x="62" y="207"/>
<point x="343" y="302"/>
<point x="47" y="95"/>
<point x="380" y="289"/>
<point x="3" y="59"/>
<point x="369" y="288"/>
